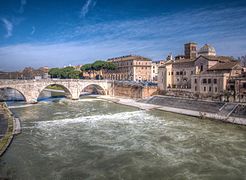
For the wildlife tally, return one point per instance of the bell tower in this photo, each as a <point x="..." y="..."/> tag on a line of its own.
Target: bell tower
<point x="190" y="50"/>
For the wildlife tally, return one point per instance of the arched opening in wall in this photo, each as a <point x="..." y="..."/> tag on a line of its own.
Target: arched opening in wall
<point x="9" y="94"/>
<point x="54" y="91"/>
<point x="93" y="89"/>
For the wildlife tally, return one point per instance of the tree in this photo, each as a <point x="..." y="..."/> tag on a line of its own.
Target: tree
<point x="74" y="75"/>
<point x="66" y="71"/>
<point x="86" y="67"/>
<point x="98" y="65"/>
<point x="110" y="66"/>
<point x="55" y="73"/>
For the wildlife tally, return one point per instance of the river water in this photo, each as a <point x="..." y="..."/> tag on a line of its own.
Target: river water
<point x="95" y="139"/>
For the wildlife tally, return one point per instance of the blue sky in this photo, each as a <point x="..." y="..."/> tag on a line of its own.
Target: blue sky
<point x="61" y="32"/>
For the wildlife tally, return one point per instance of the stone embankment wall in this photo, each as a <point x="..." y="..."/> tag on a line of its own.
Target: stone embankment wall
<point x="149" y="91"/>
<point x="227" y="112"/>
<point x="134" y="91"/>
<point x="8" y="134"/>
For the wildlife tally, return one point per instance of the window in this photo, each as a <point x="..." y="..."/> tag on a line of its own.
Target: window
<point x="177" y="79"/>
<point x="204" y="89"/>
<point x="195" y="88"/>
<point x="215" y="81"/>
<point x="172" y="73"/>
<point x="232" y="87"/>
<point x="177" y="73"/>
<point x="209" y="81"/>
<point x="169" y="73"/>
<point x="181" y="72"/>
<point x="195" y="81"/>
<point x="210" y="89"/>
<point x="244" y="85"/>
<point x="201" y="68"/>
<point x="215" y="89"/>
<point x="184" y="72"/>
<point x="191" y="72"/>
<point x="204" y="81"/>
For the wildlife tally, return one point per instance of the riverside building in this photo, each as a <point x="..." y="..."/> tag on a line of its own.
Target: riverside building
<point x="202" y="73"/>
<point x="154" y="69"/>
<point x="132" y="68"/>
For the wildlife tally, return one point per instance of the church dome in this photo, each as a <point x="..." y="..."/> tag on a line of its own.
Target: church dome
<point x="207" y="50"/>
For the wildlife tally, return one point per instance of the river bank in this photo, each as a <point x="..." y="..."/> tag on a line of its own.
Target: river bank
<point x="226" y="112"/>
<point x="9" y="126"/>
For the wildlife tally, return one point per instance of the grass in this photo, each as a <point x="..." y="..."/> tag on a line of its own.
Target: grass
<point x="55" y="87"/>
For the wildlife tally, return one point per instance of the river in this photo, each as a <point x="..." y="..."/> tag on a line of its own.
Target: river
<point x="95" y="139"/>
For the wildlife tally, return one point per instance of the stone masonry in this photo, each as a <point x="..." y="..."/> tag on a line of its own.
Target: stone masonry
<point x="31" y="89"/>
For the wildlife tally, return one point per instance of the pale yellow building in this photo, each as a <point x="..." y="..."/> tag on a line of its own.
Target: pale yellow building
<point x="133" y="68"/>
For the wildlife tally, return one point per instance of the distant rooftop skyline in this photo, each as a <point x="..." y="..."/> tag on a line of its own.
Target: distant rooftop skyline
<point x="61" y="32"/>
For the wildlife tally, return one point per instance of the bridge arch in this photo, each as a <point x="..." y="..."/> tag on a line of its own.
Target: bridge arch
<point x="94" y="88"/>
<point x="55" y="87"/>
<point x="13" y="88"/>
<point x="31" y="89"/>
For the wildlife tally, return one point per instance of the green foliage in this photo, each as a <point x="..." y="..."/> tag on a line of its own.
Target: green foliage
<point x="86" y="67"/>
<point x="98" y="66"/>
<point x="55" y="87"/>
<point x="66" y="71"/>
<point x="110" y="66"/>
<point x="74" y="75"/>
<point x="71" y="73"/>
<point x="55" y="73"/>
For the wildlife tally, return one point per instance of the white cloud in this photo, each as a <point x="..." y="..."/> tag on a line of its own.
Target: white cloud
<point x="86" y="7"/>
<point x="33" y="30"/>
<point x="16" y="57"/>
<point x="8" y="25"/>
<point x="153" y="37"/>
<point x="22" y="5"/>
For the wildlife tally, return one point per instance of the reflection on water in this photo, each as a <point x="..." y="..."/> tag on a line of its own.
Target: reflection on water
<point x="94" y="139"/>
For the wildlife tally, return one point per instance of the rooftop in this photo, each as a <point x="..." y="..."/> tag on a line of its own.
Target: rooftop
<point x="224" y="66"/>
<point x="129" y="57"/>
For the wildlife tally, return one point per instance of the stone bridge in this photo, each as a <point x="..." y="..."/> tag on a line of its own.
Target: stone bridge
<point x="31" y="89"/>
